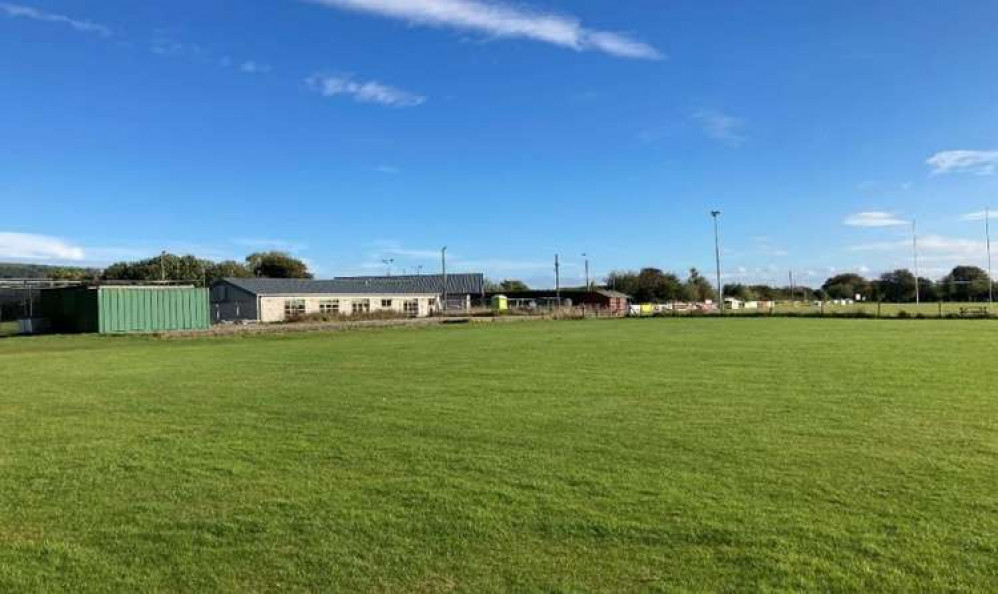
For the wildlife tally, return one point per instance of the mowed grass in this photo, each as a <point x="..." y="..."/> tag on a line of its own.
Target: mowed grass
<point x="886" y="310"/>
<point x="628" y="455"/>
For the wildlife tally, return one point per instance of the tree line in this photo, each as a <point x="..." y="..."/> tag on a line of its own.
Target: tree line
<point x="962" y="284"/>
<point x="201" y="272"/>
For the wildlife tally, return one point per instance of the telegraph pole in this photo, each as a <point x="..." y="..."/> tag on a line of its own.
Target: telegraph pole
<point x="162" y="265"/>
<point x="557" y="280"/>
<point x="717" y="258"/>
<point x="443" y="269"/>
<point x="987" y="234"/>
<point x="588" y="286"/>
<point x="914" y="247"/>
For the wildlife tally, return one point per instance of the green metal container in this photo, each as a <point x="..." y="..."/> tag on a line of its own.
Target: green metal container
<point x="119" y="309"/>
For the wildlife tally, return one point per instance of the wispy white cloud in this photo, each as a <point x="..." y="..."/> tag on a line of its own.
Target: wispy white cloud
<point x="363" y="91"/>
<point x="28" y="246"/>
<point x="980" y="215"/>
<point x="167" y="45"/>
<point x="874" y="219"/>
<point x="963" y="161"/>
<point x="27" y="12"/>
<point x="502" y="20"/>
<point x="930" y="247"/>
<point x="251" y="67"/>
<point x="721" y="126"/>
<point x="767" y="247"/>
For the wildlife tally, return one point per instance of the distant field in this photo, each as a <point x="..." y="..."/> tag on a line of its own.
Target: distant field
<point x="615" y="455"/>
<point x="887" y="310"/>
<point x="8" y="328"/>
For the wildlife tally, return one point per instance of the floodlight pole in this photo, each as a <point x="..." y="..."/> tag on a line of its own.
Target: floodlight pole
<point x="443" y="269"/>
<point x="914" y="247"/>
<point x="987" y="234"/>
<point x="388" y="265"/>
<point x="717" y="259"/>
<point x="586" y="256"/>
<point x="557" y="280"/>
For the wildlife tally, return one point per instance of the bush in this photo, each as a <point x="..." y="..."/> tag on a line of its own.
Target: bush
<point x="382" y="314"/>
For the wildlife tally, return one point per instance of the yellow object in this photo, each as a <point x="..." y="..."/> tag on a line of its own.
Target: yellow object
<point x="647" y="309"/>
<point x="500" y="303"/>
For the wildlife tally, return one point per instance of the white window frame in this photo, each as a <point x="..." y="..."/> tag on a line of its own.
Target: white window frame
<point x="294" y="307"/>
<point x="329" y="306"/>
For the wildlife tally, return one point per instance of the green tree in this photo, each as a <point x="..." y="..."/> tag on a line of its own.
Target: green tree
<point x="965" y="283"/>
<point x="506" y="286"/>
<point x="276" y="265"/>
<point x="847" y="286"/>
<point x="740" y="291"/>
<point x="226" y="269"/>
<point x="699" y="288"/>
<point x="625" y="281"/>
<point x="897" y="286"/>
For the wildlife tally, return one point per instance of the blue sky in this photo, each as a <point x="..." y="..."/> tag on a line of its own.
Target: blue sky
<point x="352" y="131"/>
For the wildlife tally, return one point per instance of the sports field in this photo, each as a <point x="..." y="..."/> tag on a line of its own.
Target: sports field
<point x="627" y="455"/>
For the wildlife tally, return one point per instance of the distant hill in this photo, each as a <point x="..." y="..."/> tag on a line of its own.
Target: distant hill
<point x="41" y="271"/>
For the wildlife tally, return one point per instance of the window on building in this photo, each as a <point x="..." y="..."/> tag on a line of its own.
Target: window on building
<point x="386" y="304"/>
<point x="330" y="306"/>
<point x="294" y="308"/>
<point x="360" y="306"/>
<point x="411" y="307"/>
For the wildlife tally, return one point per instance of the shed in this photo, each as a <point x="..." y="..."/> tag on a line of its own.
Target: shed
<point x="113" y="309"/>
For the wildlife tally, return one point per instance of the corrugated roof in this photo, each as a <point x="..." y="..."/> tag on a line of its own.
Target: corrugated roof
<point x="431" y="284"/>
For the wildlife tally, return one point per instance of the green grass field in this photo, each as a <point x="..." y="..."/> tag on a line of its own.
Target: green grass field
<point x="887" y="310"/>
<point x="625" y="455"/>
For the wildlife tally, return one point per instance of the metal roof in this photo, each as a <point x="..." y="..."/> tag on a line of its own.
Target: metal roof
<point x="428" y="284"/>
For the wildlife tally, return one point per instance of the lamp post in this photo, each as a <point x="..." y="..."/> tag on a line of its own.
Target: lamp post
<point x="914" y="249"/>
<point x="557" y="280"/>
<point x="717" y="260"/>
<point x="987" y="235"/>
<point x="443" y="269"/>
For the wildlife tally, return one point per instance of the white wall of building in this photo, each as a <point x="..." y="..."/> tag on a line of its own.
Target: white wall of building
<point x="272" y="308"/>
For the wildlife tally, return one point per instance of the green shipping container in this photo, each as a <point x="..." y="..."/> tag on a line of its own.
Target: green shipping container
<point x="119" y="309"/>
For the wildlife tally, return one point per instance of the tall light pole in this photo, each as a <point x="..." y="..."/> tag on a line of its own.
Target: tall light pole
<point x="557" y="280"/>
<point x="914" y="249"/>
<point x="388" y="265"/>
<point x="987" y="234"/>
<point x="717" y="259"/>
<point x="443" y="269"/>
<point x="588" y="286"/>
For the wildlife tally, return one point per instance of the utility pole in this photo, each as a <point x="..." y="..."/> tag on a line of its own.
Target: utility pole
<point x="987" y="234"/>
<point x="443" y="268"/>
<point x="717" y="258"/>
<point x="557" y="280"/>
<point x="588" y="286"/>
<point x="914" y="247"/>
<point x="419" y="270"/>
<point x="162" y="266"/>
